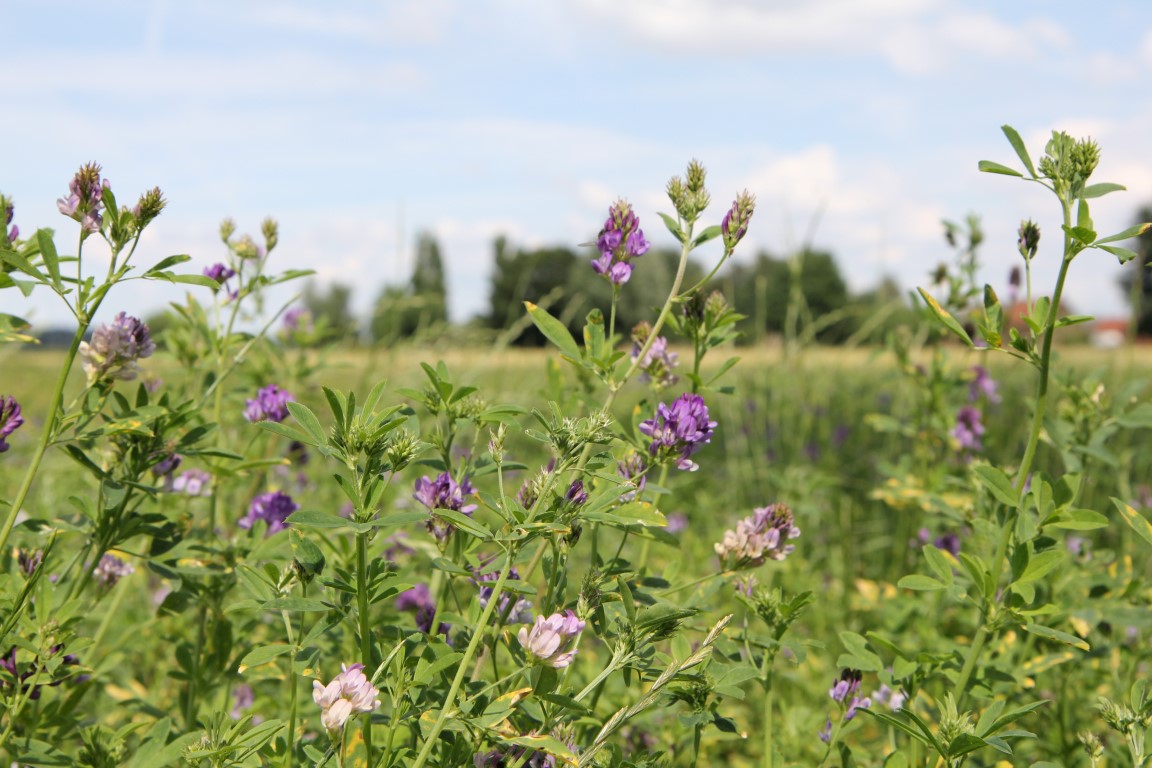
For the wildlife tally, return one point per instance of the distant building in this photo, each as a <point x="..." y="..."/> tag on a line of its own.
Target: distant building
<point x="1110" y="333"/>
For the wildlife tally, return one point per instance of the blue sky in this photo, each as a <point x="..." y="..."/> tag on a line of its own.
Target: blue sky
<point x="357" y="124"/>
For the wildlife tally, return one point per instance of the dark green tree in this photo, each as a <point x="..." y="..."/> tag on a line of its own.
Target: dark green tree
<point x="422" y="305"/>
<point x="562" y="280"/>
<point x="331" y="311"/>
<point x="763" y="291"/>
<point x="1136" y="280"/>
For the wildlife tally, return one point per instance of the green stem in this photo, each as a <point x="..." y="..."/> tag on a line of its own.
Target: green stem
<point x="768" y="735"/>
<point x="50" y="424"/>
<point x="1025" y="468"/>
<point x="365" y="625"/>
<point x="462" y="668"/>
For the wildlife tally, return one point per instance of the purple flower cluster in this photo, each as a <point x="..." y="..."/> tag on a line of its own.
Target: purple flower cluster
<point x="948" y="542"/>
<point x="419" y="600"/>
<point x="983" y="385"/>
<point x="84" y="202"/>
<point x="273" y="508"/>
<point x="968" y="429"/>
<point x="193" y="482"/>
<point x="297" y="320"/>
<point x="443" y="493"/>
<point x="222" y="273"/>
<point x="517" y="610"/>
<point x="759" y="538"/>
<point x="657" y="363"/>
<point x="10" y="419"/>
<point x="735" y="223"/>
<point x="513" y="756"/>
<point x="270" y="404"/>
<point x="632" y="469"/>
<point x="115" y="349"/>
<point x="845" y="691"/>
<point x="111" y="569"/>
<point x="9" y="214"/>
<point x="552" y="640"/>
<point x="620" y="241"/>
<point x="679" y="430"/>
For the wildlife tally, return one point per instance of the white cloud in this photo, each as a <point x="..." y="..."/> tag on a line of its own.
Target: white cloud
<point x="916" y="36"/>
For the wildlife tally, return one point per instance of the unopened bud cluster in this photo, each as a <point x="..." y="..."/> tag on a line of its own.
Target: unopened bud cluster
<point x="1029" y="239"/>
<point x="1069" y="163"/>
<point x="735" y="223"/>
<point x="688" y="194"/>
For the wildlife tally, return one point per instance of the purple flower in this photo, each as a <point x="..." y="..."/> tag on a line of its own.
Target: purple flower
<point x="513" y="756"/>
<point x="759" y="538"/>
<point x="111" y="569"/>
<point x="632" y="469"/>
<point x="826" y="732"/>
<point x="619" y="241"/>
<point x="735" y="223"/>
<point x="658" y="362"/>
<point x="419" y="600"/>
<point x="983" y="385"/>
<point x="166" y="466"/>
<point x="443" y="493"/>
<point x="576" y="494"/>
<point x="892" y="698"/>
<point x="270" y="404"/>
<point x="9" y="212"/>
<point x="297" y="320"/>
<point x="115" y="349"/>
<point x="10" y="419"/>
<point x="350" y="692"/>
<point x="516" y="610"/>
<point x="679" y="430"/>
<point x="848" y="684"/>
<point x="193" y="482"/>
<point x="677" y="522"/>
<point x="221" y="273"/>
<point x="273" y="508"/>
<point x="29" y="560"/>
<point x="968" y="429"/>
<point x="552" y="640"/>
<point x="242" y="698"/>
<point x="84" y="202"/>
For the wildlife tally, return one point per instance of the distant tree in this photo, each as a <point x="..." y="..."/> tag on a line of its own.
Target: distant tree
<point x="563" y="280"/>
<point x="1136" y="280"/>
<point x="401" y="312"/>
<point x="331" y="310"/>
<point x="763" y="290"/>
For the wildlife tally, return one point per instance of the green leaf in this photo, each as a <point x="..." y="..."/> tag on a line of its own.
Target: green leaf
<point x="309" y="559"/>
<point x="1084" y="218"/>
<point x="308" y="518"/>
<point x="673" y="227"/>
<point x="463" y="522"/>
<point x="1073" y="320"/>
<point x="48" y="253"/>
<point x="710" y="233"/>
<point x="996" y="482"/>
<point x="1140" y="416"/>
<point x="553" y="330"/>
<point x="1040" y="565"/>
<point x="1135" y="520"/>
<point x="170" y="261"/>
<point x="987" y="166"/>
<point x="203" y="280"/>
<point x="1018" y="145"/>
<point x="940" y="564"/>
<point x="1081" y="234"/>
<point x="1101" y="189"/>
<point x="308" y="420"/>
<point x="296" y="605"/>
<point x="262" y="655"/>
<point x="920" y="583"/>
<point x="1124" y="255"/>
<point x="1127" y="234"/>
<point x="1055" y="634"/>
<point x="945" y="317"/>
<point x="1078" y="520"/>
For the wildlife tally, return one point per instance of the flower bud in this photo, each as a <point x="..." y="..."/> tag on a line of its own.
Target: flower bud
<point x="735" y="223"/>
<point x="1029" y="239"/>
<point x="227" y="229"/>
<point x="271" y="231"/>
<point x="149" y="207"/>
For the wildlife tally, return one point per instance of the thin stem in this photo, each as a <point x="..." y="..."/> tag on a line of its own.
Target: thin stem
<point x="50" y="424"/>
<point x="462" y="668"/>
<point x="769" y="693"/>
<point x="1025" y="468"/>
<point x="365" y="625"/>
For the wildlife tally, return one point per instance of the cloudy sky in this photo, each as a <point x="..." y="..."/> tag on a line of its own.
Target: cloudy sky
<point x="357" y="124"/>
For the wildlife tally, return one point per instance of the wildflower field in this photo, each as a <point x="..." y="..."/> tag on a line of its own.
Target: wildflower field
<point x="639" y="547"/>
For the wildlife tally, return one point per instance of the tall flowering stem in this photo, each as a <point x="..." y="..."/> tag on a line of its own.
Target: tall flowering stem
<point x="462" y="668"/>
